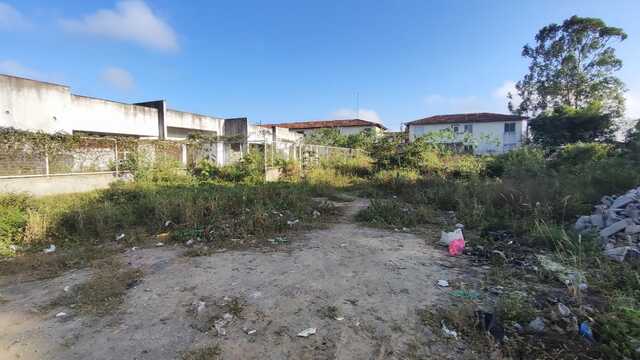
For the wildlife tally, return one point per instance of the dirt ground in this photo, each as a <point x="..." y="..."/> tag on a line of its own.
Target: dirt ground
<point x="375" y="279"/>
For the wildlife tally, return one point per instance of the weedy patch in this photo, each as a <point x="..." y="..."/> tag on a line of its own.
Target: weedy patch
<point x="235" y="307"/>
<point x="210" y="352"/>
<point x="329" y="312"/>
<point x="104" y="291"/>
<point x="198" y="251"/>
<point x="397" y="214"/>
<point x="45" y="266"/>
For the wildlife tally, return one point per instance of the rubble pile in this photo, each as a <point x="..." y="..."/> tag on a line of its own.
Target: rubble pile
<point x="617" y="219"/>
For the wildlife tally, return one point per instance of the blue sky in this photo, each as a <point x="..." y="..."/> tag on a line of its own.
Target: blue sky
<point x="278" y="61"/>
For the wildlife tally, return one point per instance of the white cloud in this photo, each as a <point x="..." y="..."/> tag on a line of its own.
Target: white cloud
<point x="502" y="92"/>
<point x="12" y="67"/>
<point x="10" y="18"/>
<point x="118" y="78"/>
<point x="131" y="20"/>
<point x="364" y="114"/>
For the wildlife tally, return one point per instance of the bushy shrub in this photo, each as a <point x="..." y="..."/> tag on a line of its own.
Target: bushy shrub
<point x="13" y="220"/>
<point x="581" y="154"/>
<point x="249" y="170"/>
<point x="524" y="161"/>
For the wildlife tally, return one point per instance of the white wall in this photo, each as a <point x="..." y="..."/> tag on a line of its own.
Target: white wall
<point x="180" y="124"/>
<point x="104" y="116"/>
<point x="345" y="130"/>
<point x="33" y="105"/>
<point x="489" y="136"/>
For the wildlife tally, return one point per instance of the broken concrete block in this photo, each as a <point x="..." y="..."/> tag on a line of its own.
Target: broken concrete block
<point x="597" y="220"/>
<point x="622" y="254"/>
<point x="583" y="223"/>
<point x="623" y="200"/>
<point x="632" y="229"/>
<point x="606" y="201"/>
<point x="614" y="228"/>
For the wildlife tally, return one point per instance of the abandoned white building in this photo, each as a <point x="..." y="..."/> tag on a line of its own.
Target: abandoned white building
<point x="488" y="133"/>
<point x="39" y="106"/>
<point x="346" y="127"/>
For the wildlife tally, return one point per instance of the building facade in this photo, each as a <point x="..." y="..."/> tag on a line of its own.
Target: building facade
<point x="346" y="127"/>
<point x="480" y="133"/>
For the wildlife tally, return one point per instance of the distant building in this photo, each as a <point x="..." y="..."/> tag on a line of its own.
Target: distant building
<point x="346" y="127"/>
<point x="491" y="133"/>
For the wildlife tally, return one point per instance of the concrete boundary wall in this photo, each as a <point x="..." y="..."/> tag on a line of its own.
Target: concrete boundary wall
<point x="60" y="184"/>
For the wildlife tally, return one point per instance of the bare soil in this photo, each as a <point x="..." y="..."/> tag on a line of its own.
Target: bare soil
<point x="374" y="280"/>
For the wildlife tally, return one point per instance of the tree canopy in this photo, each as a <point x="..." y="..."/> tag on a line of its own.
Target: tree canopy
<point x="572" y="65"/>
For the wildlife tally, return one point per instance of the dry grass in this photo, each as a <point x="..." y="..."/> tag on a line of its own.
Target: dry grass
<point x="104" y="291"/>
<point x="210" y="352"/>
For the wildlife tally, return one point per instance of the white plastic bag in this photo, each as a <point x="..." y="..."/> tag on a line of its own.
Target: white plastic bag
<point x="447" y="238"/>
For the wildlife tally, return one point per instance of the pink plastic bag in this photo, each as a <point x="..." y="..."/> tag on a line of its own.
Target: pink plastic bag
<point x="456" y="247"/>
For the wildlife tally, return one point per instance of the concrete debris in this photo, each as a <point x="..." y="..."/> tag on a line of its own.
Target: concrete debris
<point x="307" y="332"/>
<point x="624" y="253"/>
<point x="50" y="249"/>
<point x="617" y="221"/>
<point x="316" y="213"/>
<point x="536" y="325"/>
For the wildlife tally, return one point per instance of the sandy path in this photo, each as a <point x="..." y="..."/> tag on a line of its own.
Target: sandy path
<point x="388" y="274"/>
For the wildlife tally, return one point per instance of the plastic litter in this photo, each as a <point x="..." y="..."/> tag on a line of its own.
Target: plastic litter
<point x="443" y="283"/>
<point x="340" y="318"/>
<point x="316" y="213"/>
<point x="158" y="244"/>
<point x="585" y="331"/>
<point x="66" y="288"/>
<point x="292" y="222"/>
<point x="61" y="314"/>
<point x="307" y="332"/>
<point x="120" y="237"/>
<point x="278" y="240"/>
<point x="448" y="332"/>
<point x="50" y="249"/>
<point x="456" y="247"/>
<point x="447" y="238"/>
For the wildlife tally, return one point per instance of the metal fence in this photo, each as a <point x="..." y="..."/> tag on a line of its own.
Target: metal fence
<point x="93" y="155"/>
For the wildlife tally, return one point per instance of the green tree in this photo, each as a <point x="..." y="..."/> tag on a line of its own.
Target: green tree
<point x="572" y="64"/>
<point x="567" y="125"/>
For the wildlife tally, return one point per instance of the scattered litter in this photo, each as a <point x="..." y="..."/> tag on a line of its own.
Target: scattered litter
<point x="563" y="310"/>
<point x="443" y="283"/>
<point x="158" y="244"/>
<point x="227" y="317"/>
<point x="278" y="240"/>
<point x="536" y="325"/>
<point x="201" y="307"/>
<point x="120" y="237"/>
<point x="134" y="248"/>
<point x="66" y="288"/>
<point x="340" y="318"/>
<point x="292" y="222"/>
<point x="566" y="275"/>
<point x="250" y="331"/>
<point x="585" y="331"/>
<point x="316" y="213"/>
<point x="456" y="247"/>
<point x="219" y="326"/>
<point x="405" y="229"/>
<point x="50" y="249"/>
<point x="448" y="332"/>
<point x="447" y="237"/>
<point x="168" y="223"/>
<point x="14" y="248"/>
<point x="307" y="332"/>
<point x="465" y="294"/>
<point x="61" y="314"/>
<point x="489" y="323"/>
<point x="189" y="242"/>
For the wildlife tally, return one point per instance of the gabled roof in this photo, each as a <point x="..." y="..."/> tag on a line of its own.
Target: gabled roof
<point x="467" y="118"/>
<point x="318" y="124"/>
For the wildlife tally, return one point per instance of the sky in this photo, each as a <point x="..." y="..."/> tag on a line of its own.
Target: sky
<point x="274" y="61"/>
